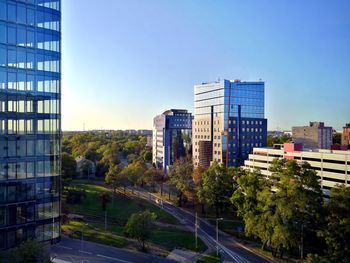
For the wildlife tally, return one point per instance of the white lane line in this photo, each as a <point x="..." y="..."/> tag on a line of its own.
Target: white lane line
<point x="229" y="252"/>
<point x="82" y="251"/>
<point x="115" y="259"/>
<point x="65" y="247"/>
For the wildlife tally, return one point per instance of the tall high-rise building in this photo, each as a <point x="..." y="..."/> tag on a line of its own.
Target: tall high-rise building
<point x="314" y="136"/>
<point x="345" y="139"/>
<point x="172" y="132"/>
<point x="30" y="94"/>
<point x="228" y="121"/>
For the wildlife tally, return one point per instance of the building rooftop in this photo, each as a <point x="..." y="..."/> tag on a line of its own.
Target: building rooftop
<point x="175" y="111"/>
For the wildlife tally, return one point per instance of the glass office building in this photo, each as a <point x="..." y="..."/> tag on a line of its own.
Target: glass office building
<point x="228" y="121"/>
<point x="30" y="44"/>
<point x="172" y="140"/>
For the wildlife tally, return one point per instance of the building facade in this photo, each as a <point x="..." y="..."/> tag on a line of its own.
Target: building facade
<point x="314" y="136"/>
<point x="228" y="121"/>
<point x="332" y="167"/>
<point x="30" y="114"/>
<point x="172" y="140"/>
<point x="345" y="139"/>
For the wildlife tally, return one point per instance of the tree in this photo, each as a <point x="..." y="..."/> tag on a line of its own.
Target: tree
<point x="86" y="168"/>
<point x="146" y="155"/>
<point x="197" y="180"/>
<point x="216" y="187"/>
<point x="197" y="175"/>
<point x="134" y="172"/>
<point x="132" y="158"/>
<point x="298" y="201"/>
<point x="30" y="251"/>
<point x="245" y="199"/>
<point x="271" y="140"/>
<point x="282" y="208"/>
<point x="180" y="176"/>
<point x="109" y="154"/>
<point x="154" y="176"/>
<point x="113" y="176"/>
<point x="140" y="226"/>
<point x="105" y="198"/>
<point x="337" y="138"/>
<point x="132" y="146"/>
<point x="69" y="167"/>
<point x="337" y="230"/>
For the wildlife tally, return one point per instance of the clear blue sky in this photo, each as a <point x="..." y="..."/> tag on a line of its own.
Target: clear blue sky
<point x="125" y="61"/>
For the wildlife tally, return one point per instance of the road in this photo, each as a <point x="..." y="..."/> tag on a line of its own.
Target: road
<point x="74" y="251"/>
<point x="232" y="250"/>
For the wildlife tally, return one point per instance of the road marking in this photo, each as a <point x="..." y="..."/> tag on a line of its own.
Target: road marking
<point x="82" y="251"/>
<point x="65" y="247"/>
<point x="115" y="259"/>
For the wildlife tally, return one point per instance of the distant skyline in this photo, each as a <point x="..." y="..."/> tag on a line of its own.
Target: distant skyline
<point x="124" y="62"/>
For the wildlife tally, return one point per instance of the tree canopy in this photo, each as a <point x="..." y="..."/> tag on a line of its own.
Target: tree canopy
<point x="216" y="186"/>
<point x="140" y="226"/>
<point x="180" y="176"/>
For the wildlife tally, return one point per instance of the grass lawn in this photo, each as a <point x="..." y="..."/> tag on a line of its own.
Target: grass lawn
<point x="170" y="239"/>
<point x="165" y="238"/>
<point x="94" y="234"/>
<point x="122" y="209"/>
<point x="210" y="258"/>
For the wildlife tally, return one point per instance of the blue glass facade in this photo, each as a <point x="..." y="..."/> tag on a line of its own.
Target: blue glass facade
<point x="172" y="137"/>
<point x="30" y="120"/>
<point x="244" y="121"/>
<point x="229" y="115"/>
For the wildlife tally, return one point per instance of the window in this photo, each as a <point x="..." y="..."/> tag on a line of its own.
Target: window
<point x="21" y="14"/>
<point x="21" y="172"/>
<point x="11" y="193"/>
<point x="30" y="148"/>
<point x="11" y="12"/>
<point x="21" y="148"/>
<point x="21" y="36"/>
<point x="11" y="146"/>
<point x="3" y="58"/>
<point x="11" y="172"/>
<point x="20" y="214"/>
<point x="30" y="17"/>
<point x="3" y="35"/>
<point x="2" y="14"/>
<point x="29" y="126"/>
<point x="30" y="170"/>
<point x="11" y="35"/>
<point x="2" y="194"/>
<point x="30" y="38"/>
<point x="11" y="235"/>
<point x="30" y="213"/>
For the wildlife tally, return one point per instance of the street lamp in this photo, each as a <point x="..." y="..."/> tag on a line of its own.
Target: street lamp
<point x="217" y="235"/>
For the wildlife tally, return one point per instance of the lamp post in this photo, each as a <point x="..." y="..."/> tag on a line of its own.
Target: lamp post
<point x="217" y="235"/>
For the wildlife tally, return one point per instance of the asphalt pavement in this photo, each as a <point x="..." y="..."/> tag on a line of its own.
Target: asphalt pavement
<point x="232" y="250"/>
<point x="77" y="251"/>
